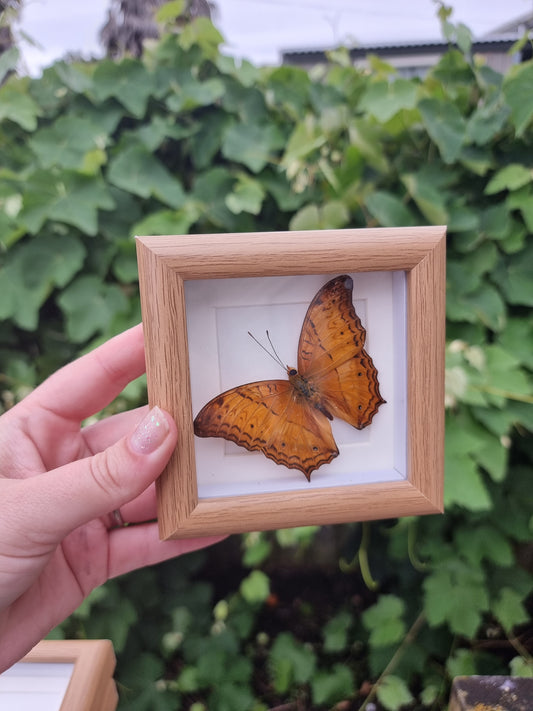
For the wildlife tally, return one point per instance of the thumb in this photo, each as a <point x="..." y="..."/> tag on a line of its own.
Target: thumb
<point x="81" y="491"/>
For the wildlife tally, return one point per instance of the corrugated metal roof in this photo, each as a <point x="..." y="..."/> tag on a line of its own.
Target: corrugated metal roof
<point x="501" y="43"/>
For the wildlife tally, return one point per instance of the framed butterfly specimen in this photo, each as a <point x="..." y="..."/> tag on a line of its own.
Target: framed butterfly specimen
<point x="351" y="429"/>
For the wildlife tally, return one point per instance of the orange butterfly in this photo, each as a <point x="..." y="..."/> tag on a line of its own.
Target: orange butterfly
<point x="288" y="420"/>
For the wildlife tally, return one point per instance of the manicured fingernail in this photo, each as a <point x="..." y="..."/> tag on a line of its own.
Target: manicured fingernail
<point x="150" y="433"/>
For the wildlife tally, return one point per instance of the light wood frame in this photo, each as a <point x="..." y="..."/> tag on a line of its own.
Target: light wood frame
<point x="91" y="686"/>
<point x="167" y="262"/>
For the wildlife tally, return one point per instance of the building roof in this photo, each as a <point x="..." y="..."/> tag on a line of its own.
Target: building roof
<point x="501" y="43"/>
<point x="518" y="25"/>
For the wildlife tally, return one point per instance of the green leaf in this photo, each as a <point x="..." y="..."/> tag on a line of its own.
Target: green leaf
<point x="514" y="277"/>
<point x="256" y="587"/>
<point x="188" y="95"/>
<point x="384" y="99"/>
<point x="89" y="306"/>
<point x="73" y="75"/>
<point x="330" y="687"/>
<point x="203" y="33"/>
<point x="521" y="667"/>
<point x="368" y="139"/>
<point x="257" y="548"/>
<point x="464" y="275"/>
<point x="187" y="681"/>
<point x="484" y="542"/>
<point x="445" y="125"/>
<point x="335" y="632"/>
<point x="229" y="696"/>
<point x="28" y="277"/>
<point x="159" y="130"/>
<point x="496" y="221"/>
<point x="461" y="663"/>
<point x="8" y="61"/>
<point x="493" y="457"/>
<point x="125" y="263"/>
<point x="126" y="81"/>
<point x="17" y="106"/>
<point x="428" y="196"/>
<point x="65" y="196"/>
<point x="504" y="375"/>
<point x="209" y="192"/>
<point x="455" y="593"/>
<point x="389" y="210"/>
<point x="477" y="160"/>
<point x="393" y="693"/>
<point x="247" y="196"/>
<point x="518" y="91"/>
<point x="486" y="121"/>
<point x="291" y="87"/>
<point x="384" y="620"/>
<point x="430" y="693"/>
<point x="138" y="171"/>
<point x="484" y="304"/>
<point x="463" y="484"/>
<point x="509" y="610"/>
<point x="290" y="662"/>
<point x="512" y="177"/>
<point x="66" y="142"/>
<point x="168" y="222"/>
<point x="170" y="10"/>
<point x="462" y="219"/>
<point x="332" y="215"/>
<point x="522" y="200"/>
<point x="517" y="338"/>
<point x="253" y="145"/>
<point x="143" y="670"/>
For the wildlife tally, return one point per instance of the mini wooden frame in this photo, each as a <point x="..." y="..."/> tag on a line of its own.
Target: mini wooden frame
<point x="167" y="263"/>
<point x="91" y="686"/>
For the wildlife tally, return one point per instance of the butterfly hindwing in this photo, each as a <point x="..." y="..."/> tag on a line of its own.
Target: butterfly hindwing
<point x="332" y="358"/>
<point x="270" y="416"/>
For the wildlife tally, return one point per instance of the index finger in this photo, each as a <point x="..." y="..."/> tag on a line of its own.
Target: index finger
<point x="88" y="384"/>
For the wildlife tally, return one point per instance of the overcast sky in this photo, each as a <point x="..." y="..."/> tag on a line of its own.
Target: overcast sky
<point x="260" y="29"/>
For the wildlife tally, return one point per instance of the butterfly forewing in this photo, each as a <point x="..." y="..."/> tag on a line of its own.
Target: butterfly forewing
<point x="332" y="358"/>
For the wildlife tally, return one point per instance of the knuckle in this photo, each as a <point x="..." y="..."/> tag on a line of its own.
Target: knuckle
<point x="105" y="471"/>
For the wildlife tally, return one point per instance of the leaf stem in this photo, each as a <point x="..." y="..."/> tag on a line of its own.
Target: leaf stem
<point x="363" y="558"/>
<point x="503" y="393"/>
<point x="395" y="659"/>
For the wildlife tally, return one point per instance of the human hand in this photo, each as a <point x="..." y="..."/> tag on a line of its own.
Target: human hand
<point x="60" y="483"/>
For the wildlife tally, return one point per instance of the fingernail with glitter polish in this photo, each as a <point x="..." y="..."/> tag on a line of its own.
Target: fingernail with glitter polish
<point x="150" y="432"/>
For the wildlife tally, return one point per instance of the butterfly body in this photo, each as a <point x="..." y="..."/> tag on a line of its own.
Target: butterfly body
<point x="288" y="420"/>
<point x="305" y="389"/>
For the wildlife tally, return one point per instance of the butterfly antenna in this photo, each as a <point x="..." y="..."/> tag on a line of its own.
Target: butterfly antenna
<point x="275" y="355"/>
<point x="274" y="350"/>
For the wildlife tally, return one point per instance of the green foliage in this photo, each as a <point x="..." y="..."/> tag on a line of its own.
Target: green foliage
<point x="185" y="140"/>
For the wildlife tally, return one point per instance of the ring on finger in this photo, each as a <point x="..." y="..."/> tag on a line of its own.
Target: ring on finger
<point x="118" y="521"/>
